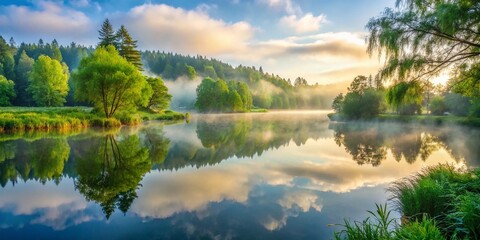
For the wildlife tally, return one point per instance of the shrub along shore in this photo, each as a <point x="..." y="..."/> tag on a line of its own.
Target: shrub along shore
<point x="421" y="119"/>
<point x="68" y="118"/>
<point x="437" y="203"/>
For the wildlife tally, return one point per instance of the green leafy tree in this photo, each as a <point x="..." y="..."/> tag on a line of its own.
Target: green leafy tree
<point x="235" y="101"/>
<point x="107" y="35"/>
<point x="110" y="172"/>
<point x="337" y="103"/>
<point x="7" y="62"/>
<point x="7" y="91"/>
<point x="160" y="98"/>
<point x="48" y="82"/>
<point x="210" y="72"/>
<point x="127" y="48"/>
<point x="438" y="106"/>
<point x="109" y="82"/>
<point x="406" y="97"/>
<point x="361" y="101"/>
<point x="22" y="69"/>
<point x="420" y="38"/>
<point x="246" y="95"/>
<point x="190" y="72"/>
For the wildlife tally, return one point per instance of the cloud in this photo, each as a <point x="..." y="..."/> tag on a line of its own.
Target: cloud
<point x="182" y="31"/>
<point x="80" y="3"/>
<point x="56" y="206"/>
<point x="45" y="19"/>
<point x="285" y="5"/>
<point x="307" y="23"/>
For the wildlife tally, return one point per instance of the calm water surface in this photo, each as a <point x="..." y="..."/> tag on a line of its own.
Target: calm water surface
<point x="250" y="176"/>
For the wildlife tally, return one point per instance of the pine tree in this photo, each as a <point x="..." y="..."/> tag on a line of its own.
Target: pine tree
<point x="127" y="48"/>
<point x="107" y="35"/>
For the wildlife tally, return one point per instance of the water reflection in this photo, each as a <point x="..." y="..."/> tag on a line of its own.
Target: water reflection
<point x="110" y="171"/>
<point x="369" y="143"/>
<point x="221" y="176"/>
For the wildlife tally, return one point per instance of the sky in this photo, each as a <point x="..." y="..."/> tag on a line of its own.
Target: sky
<point x="320" y="40"/>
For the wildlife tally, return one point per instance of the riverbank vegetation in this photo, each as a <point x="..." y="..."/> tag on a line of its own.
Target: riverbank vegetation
<point x="71" y="118"/>
<point x="39" y="81"/>
<point x="439" y="202"/>
<point x="421" y="40"/>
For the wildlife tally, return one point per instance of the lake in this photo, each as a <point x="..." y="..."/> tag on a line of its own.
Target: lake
<point x="278" y="175"/>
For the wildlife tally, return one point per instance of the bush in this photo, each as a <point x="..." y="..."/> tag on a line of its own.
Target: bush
<point x="423" y="230"/>
<point x="457" y="104"/>
<point x="437" y="105"/>
<point x="433" y="191"/>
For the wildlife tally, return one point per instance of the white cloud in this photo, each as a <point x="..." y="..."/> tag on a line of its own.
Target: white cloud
<point x="285" y="5"/>
<point x="182" y="31"/>
<point x="307" y="23"/>
<point x="80" y="3"/>
<point x="51" y="20"/>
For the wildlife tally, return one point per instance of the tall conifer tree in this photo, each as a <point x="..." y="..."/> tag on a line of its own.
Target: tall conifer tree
<point x="127" y="48"/>
<point x="107" y="35"/>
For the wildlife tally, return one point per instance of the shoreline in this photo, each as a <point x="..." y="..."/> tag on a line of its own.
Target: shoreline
<point x="419" y="119"/>
<point x="20" y="119"/>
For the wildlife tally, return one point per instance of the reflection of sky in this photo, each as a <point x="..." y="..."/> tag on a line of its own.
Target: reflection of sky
<point x="56" y="206"/>
<point x="290" y="192"/>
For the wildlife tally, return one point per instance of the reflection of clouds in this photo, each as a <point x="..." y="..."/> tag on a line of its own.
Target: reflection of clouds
<point x="166" y="193"/>
<point x="306" y="171"/>
<point x="55" y="206"/>
<point x="292" y="203"/>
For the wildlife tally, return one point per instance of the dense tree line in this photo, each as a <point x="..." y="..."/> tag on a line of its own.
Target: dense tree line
<point x="268" y="90"/>
<point x="421" y="38"/>
<point x="364" y="99"/>
<point x="108" y="77"/>
<point x="220" y="96"/>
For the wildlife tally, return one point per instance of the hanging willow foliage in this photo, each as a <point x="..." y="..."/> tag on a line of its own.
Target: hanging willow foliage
<point x="405" y="93"/>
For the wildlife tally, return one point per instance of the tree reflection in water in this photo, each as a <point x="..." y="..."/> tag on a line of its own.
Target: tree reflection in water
<point x="110" y="172"/>
<point x="370" y="143"/>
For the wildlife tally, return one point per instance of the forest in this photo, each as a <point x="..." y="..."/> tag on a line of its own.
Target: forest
<point x="25" y="69"/>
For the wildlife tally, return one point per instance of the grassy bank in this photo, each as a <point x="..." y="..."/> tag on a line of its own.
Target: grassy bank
<point x="421" y="119"/>
<point x="14" y="119"/>
<point x="437" y="203"/>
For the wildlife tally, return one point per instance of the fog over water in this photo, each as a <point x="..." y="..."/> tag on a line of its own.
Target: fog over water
<point x="271" y="175"/>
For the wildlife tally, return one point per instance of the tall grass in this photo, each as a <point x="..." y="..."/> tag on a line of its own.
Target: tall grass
<point x="17" y="119"/>
<point x="375" y="227"/>
<point x="449" y="196"/>
<point x="439" y="202"/>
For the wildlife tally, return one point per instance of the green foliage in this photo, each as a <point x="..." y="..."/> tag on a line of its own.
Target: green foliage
<point x="7" y="63"/>
<point x="22" y="69"/>
<point x="107" y="35"/>
<point x="426" y="229"/>
<point x="109" y="82"/>
<point x="423" y="37"/>
<point x="7" y="91"/>
<point x="444" y="194"/>
<point x="219" y="96"/>
<point x="337" y="103"/>
<point x="457" y="104"/>
<point x="127" y="48"/>
<point x="361" y="101"/>
<point x="405" y="97"/>
<point x="191" y="73"/>
<point x="438" y="106"/>
<point x="110" y="172"/>
<point x="160" y="98"/>
<point x="48" y="82"/>
<point x="377" y="228"/>
<point x="268" y="90"/>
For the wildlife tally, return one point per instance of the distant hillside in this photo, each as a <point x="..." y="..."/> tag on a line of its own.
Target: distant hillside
<point x="183" y="74"/>
<point x="269" y="90"/>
